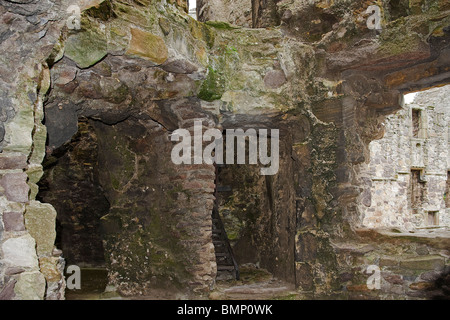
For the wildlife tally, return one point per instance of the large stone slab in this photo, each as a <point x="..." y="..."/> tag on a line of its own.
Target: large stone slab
<point x="13" y="221"/>
<point x="40" y="221"/>
<point x="431" y="262"/>
<point x="86" y="48"/>
<point x="8" y="162"/>
<point x="20" y="252"/>
<point x="30" y="286"/>
<point x="148" y="46"/>
<point x="16" y="187"/>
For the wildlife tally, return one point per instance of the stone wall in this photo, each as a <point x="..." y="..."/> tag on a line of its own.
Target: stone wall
<point x="139" y="70"/>
<point x="31" y="35"/>
<point x="393" y="266"/>
<point x="235" y="12"/>
<point x="392" y="158"/>
<point x="31" y="268"/>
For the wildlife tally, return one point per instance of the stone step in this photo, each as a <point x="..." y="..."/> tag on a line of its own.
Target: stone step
<point x="221" y="254"/>
<point x="225" y="268"/>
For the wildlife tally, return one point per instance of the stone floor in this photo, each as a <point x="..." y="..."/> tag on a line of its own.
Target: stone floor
<point x="254" y="284"/>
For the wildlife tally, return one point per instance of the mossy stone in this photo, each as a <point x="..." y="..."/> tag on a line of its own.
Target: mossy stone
<point x="86" y="48"/>
<point x="220" y="25"/>
<point x="213" y="87"/>
<point x="148" y="46"/>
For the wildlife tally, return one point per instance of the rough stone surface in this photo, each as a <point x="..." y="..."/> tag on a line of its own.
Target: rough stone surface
<point x="30" y="286"/>
<point x="424" y="263"/>
<point x="13" y="221"/>
<point x="20" y="252"/>
<point x="40" y="223"/>
<point x="86" y="48"/>
<point x="274" y="79"/>
<point x="13" y="162"/>
<point x="7" y="292"/>
<point x="148" y="46"/>
<point x="394" y="202"/>
<point x="342" y="79"/>
<point x="15" y="186"/>
<point x="234" y="12"/>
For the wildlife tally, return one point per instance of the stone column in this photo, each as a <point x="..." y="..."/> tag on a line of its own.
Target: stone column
<point x="28" y="41"/>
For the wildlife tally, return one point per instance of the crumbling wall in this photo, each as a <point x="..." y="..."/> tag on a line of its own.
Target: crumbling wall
<point x="147" y="65"/>
<point x="393" y="200"/>
<point x="235" y="12"/>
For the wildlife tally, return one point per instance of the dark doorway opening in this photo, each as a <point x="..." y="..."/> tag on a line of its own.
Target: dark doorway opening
<point x="71" y="184"/>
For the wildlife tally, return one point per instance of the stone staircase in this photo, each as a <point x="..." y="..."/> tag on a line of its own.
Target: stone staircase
<point x="227" y="268"/>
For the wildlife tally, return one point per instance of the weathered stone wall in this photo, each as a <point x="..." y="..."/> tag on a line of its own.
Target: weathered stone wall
<point x="30" y="267"/>
<point x="235" y="12"/>
<point x="157" y="233"/>
<point x="131" y="85"/>
<point x="399" y="266"/>
<point x="31" y="35"/>
<point x="389" y="203"/>
<point x="148" y="66"/>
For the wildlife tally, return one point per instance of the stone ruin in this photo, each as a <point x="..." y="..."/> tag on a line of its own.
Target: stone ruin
<point x="91" y="91"/>
<point x="409" y="167"/>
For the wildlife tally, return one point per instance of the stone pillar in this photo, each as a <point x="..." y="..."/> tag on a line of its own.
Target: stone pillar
<point x="24" y="80"/>
<point x="158" y="232"/>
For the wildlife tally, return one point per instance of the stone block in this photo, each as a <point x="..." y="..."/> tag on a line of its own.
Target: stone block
<point x="13" y="221"/>
<point x="55" y="291"/>
<point x="7" y="292"/>
<point x="30" y="286"/>
<point x="39" y="141"/>
<point x="179" y="66"/>
<point x="86" y="48"/>
<point x="421" y="285"/>
<point x="40" y="221"/>
<point x="13" y="162"/>
<point x="388" y="262"/>
<point x="358" y="288"/>
<point x="15" y="186"/>
<point x="274" y="79"/>
<point x="146" y="45"/>
<point x="393" y="278"/>
<point x="423" y="263"/>
<point x="13" y="270"/>
<point x="49" y="268"/>
<point x="63" y="74"/>
<point x="430" y="275"/>
<point x="20" y="252"/>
